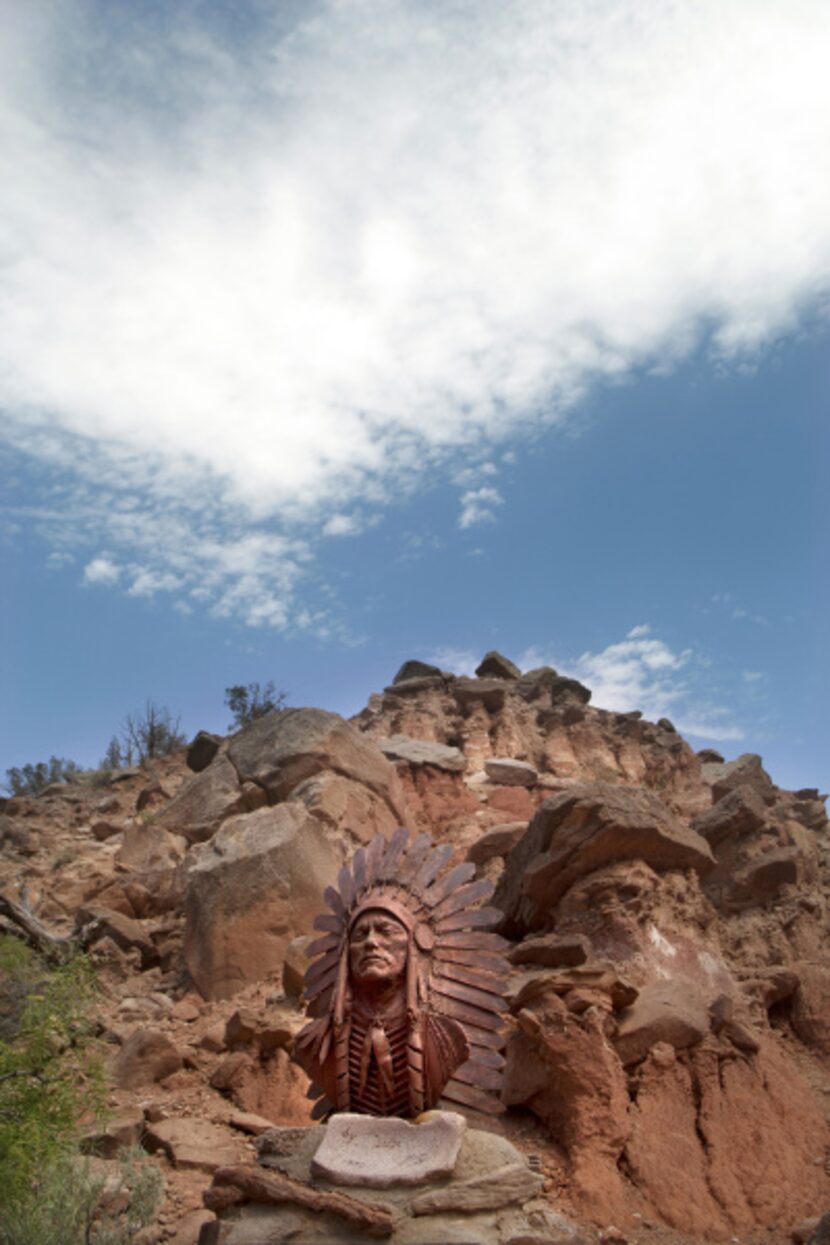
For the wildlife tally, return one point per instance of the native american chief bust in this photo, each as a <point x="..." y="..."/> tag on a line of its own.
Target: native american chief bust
<point x="405" y="987"/>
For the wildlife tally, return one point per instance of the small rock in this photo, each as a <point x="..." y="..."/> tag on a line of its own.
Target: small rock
<point x="213" y="1039"/>
<point x="495" y="666"/>
<point x="185" y="1010"/>
<point x="496" y="842"/>
<point x="145" y="1057"/>
<point x="119" y="1132"/>
<point x="202" y="750"/>
<point x="551" y="950"/>
<point x="415" y="670"/>
<point x="665" y="1011"/>
<point x="102" y="830"/>
<point x="510" y="773"/>
<point x="190" y="1143"/>
<point x="151" y="796"/>
<point x="248" y="1122"/>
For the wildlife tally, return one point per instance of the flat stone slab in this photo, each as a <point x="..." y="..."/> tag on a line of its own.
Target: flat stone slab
<point x="423" y="752"/>
<point x="510" y="773"/>
<point x="378" y="1152"/>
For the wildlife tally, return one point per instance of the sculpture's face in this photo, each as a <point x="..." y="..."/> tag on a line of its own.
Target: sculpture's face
<point x="378" y="947"/>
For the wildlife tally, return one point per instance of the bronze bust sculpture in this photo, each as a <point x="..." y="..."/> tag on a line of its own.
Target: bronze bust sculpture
<point x="406" y="987"/>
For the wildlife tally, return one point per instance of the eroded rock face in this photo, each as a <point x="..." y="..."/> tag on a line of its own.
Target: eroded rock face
<point x="582" y="830"/>
<point x="197" y="811"/>
<point x="250" y="891"/>
<point x="281" y="750"/>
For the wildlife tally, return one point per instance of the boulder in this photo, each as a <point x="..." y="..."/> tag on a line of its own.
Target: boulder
<point x="103" y="830"/>
<point x="586" y="828"/>
<point x="495" y="666"/>
<point x="568" y="691"/>
<point x="415" y="670"/>
<point x="253" y="888"/>
<point x="147" y="847"/>
<point x="126" y="933"/>
<point x="745" y="770"/>
<point x="146" y="1056"/>
<point x="118" y="1132"/>
<point x="283" y="749"/>
<point x="202" y="751"/>
<point x="664" y="1011"/>
<point x="496" y="842"/>
<point x="510" y="773"/>
<point x="151" y="796"/>
<point x="351" y="810"/>
<point x="552" y="950"/>
<point x="533" y="684"/>
<point x="423" y="752"/>
<point x="740" y="812"/>
<point x="194" y="1144"/>
<point x="761" y="879"/>
<point x="198" y="809"/>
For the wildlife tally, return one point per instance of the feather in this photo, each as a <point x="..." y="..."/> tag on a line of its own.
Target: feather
<point x="469" y="1014"/>
<point x="434" y="862"/>
<point x="487" y="1058"/>
<point x="469" y="977"/>
<point x="327" y="921"/>
<point x="321" y="945"/>
<point x="346" y="886"/>
<point x="448" y="883"/>
<point x="322" y="966"/>
<point x="332" y="897"/>
<point x="467" y="920"/>
<point x="468" y="1096"/>
<point x="374" y="855"/>
<point x="474" y="1073"/>
<point x="486" y="999"/>
<point x="486" y="961"/>
<point x="414" y="858"/>
<point x="462" y="898"/>
<point x="359" y="869"/>
<point x="474" y="940"/>
<point x="492" y="1039"/>
<point x="320" y="1004"/>
<point x="391" y="860"/>
<point x="313" y="988"/>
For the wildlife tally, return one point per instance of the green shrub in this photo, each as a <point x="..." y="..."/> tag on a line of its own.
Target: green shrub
<point x="31" y="779"/>
<point x="250" y="701"/>
<point x="49" y="1080"/>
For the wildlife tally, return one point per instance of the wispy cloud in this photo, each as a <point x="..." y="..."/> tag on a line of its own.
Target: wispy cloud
<point x="253" y="275"/>
<point x="478" y="505"/>
<point x="643" y="672"/>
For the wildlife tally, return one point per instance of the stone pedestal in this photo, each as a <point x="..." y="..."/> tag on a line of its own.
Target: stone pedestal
<point x="473" y="1187"/>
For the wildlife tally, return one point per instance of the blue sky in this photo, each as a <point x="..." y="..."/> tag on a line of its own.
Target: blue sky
<point x="329" y="341"/>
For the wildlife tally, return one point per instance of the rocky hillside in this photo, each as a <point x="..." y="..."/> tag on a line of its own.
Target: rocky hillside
<point x="669" y="1054"/>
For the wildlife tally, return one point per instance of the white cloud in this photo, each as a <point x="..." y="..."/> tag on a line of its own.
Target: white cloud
<point x="264" y="271"/>
<point x="455" y="660"/>
<point x="101" y="570"/>
<point x="341" y="525"/>
<point x="642" y="672"/>
<point x="477" y="506"/>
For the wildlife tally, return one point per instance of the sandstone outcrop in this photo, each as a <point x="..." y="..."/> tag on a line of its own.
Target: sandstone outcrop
<point x="668" y="921"/>
<point x="252" y="889"/>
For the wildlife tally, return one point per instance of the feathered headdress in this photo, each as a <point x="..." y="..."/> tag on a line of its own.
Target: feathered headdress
<point x="454" y="969"/>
